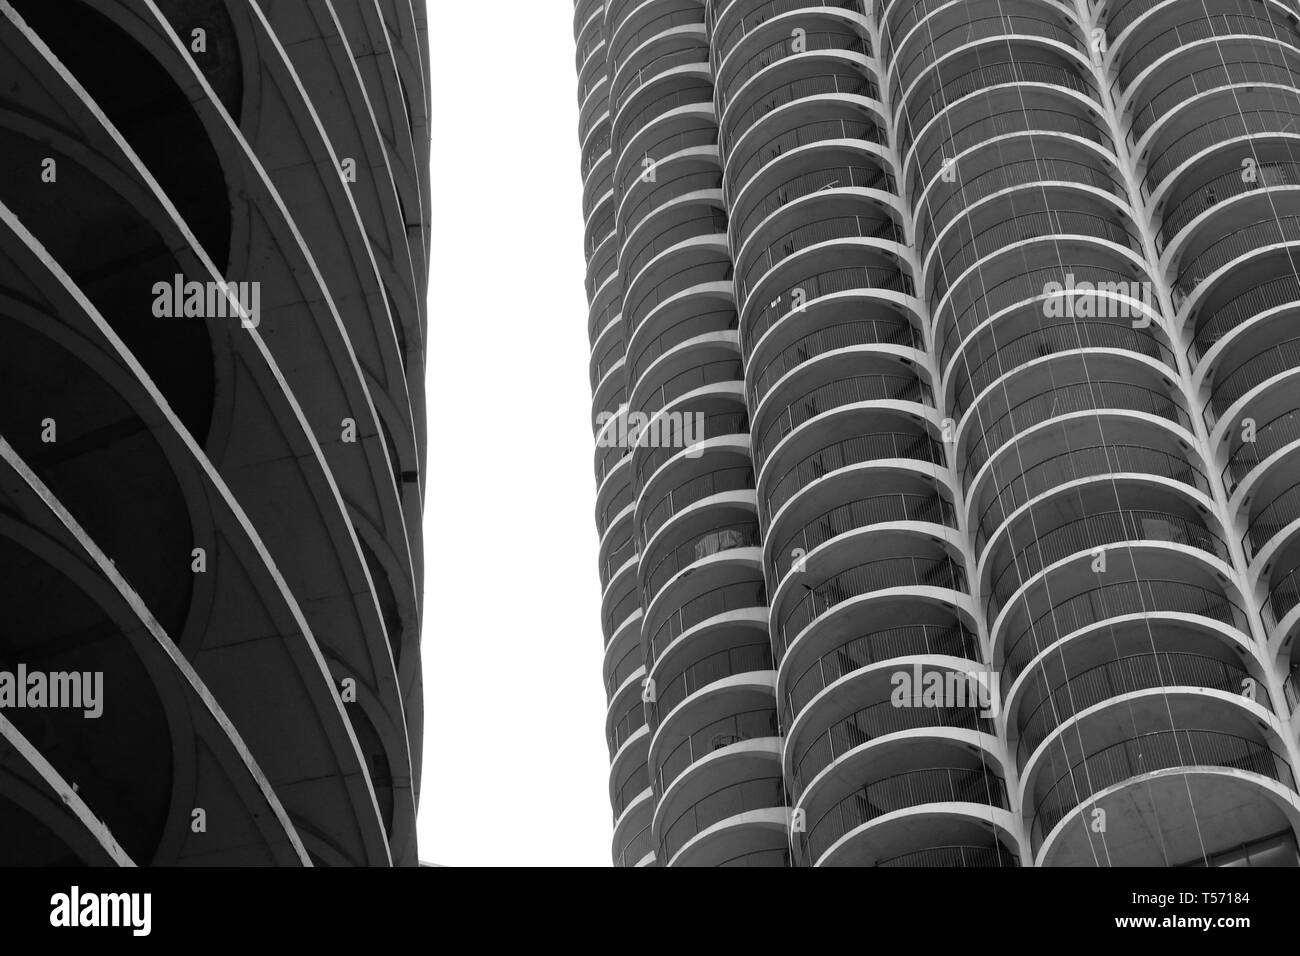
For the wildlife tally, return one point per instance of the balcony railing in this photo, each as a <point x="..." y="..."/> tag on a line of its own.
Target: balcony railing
<point x="1084" y="462"/>
<point x="854" y="332"/>
<point x="719" y="600"/>
<point x="1228" y="72"/>
<point x="715" y="425"/>
<point x="818" y="285"/>
<point x="956" y="856"/>
<point x="636" y="849"/>
<point x="837" y="394"/>
<point x="739" y="478"/>
<point x="1249" y="372"/>
<point x="952" y="640"/>
<point x="852" y="451"/>
<point x="726" y="40"/>
<point x="1270" y="437"/>
<point x="1004" y="356"/>
<point x="723" y="537"/>
<point x="733" y="729"/>
<point x="795" y="240"/>
<point x="1135" y="672"/>
<point x="1282" y="510"/>
<point x="1262" y="232"/>
<point x="850" y="127"/>
<point x="900" y="571"/>
<point x="636" y="783"/>
<point x="808" y="184"/>
<point x="1090" y="532"/>
<point x="1238" y="123"/>
<point x="862" y="726"/>
<point x="862" y="513"/>
<point x="628" y="723"/>
<point x="1123" y="598"/>
<point x="1275" y="293"/>
<point x="745" y="659"/>
<point x="815" y="42"/>
<point x="848" y="83"/>
<point x="913" y="788"/>
<point x="1077" y="397"/>
<point x="1224" y="187"/>
<point x="760" y="793"/>
<point x="1147" y="753"/>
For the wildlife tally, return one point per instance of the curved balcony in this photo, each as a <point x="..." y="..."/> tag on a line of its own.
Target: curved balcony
<point x="807" y="756"/>
<point x="730" y="818"/>
<point x="723" y="528"/>
<point x="1276" y="436"/>
<point x="830" y="454"/>
<point x="1073" y="694"/>
<point x="738" y="19"/>
<point x="1048" y="535"/>
<point x="1206" y="773"/>
<point x="959" y="856"/>
<point x="677" y="681"/>
<point x="804" y="676"/>
<point x="949" y="790"/>
<point x="991" y="424"/>
<point x="1038" y="621"/>
<point x="919" y="570"/>
<point x="1094" y="282"/>
<point x="772" y="41"/>
<point x="941" y="31"/>
<point x="1015" y="482"/>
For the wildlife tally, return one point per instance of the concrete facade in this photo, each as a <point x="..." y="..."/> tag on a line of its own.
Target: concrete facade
<point x="988" y="309"/>
<point x="214" y="223"/>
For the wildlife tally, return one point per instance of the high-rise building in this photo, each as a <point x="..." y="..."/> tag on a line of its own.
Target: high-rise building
<point x="944" y="367"/>
<point x="214" y="225"/>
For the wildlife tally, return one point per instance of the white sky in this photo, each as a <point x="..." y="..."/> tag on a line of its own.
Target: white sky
<point x="515" y="765"/>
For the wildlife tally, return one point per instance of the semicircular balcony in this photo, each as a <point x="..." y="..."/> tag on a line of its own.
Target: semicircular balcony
<point x="1061" y="387"/>
<point x="1053" y="164"/>
<point x="840" y="505"/>
<point x="1101" y="326"/>
<point x="1110" y="447"/>
<point x="623" y="656"/>
<point x="732" y="813"/>
<point x="1001" y="116"/>
<point x="1139" y="581"/>
<point x="837" y="72"/>
<point x="614" y="495"/>
<point x="678" y="93"/>
<point x="1226" y="118"/>
<point x="1046" y="288"/>
<point x="596" y="165"/>
<point x="899" y="629"/>
<point x="935" y="31"/>
<point x="695" y="268"/>
<point x="870" y="436"/>
<point x="868" y="269"/>
<point x="656" y="39"/>
<point x="691" y="175"/>
<point x="994" y="242"/>
<point x="837" y="583"/>
<point x="1276" y="574"/>
<point x="723" y="473"/>
<point x="875" y="703"/>
<point x="688" y="428"/>
<point x="1100" y="671"/>
<point x="901" y="795"/>
<point x="630" y="794"/>
<point x="617" y="547"/>
<point x="842" y="380"/>
<point x="1198" y="71"/>
<point x="690" y="542"/>
<point x="1090" y="518"/>
<point x="811" y="28"/>
<point x="1040" y="73"/>
<point x="814" y="121"/>
<point x="1168" y="752"/>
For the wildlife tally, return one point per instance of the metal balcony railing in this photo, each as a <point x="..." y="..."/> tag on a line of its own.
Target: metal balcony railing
<point x="720" y="600"/>
<point x="850" y="127"/>
<point x="952" y="640"/>
<point x="1108" y="601"/>
<point x="837" y="394"/>
<point x="862" y="513"/>
<point x="799" y="238"/>
<point x="715" y="424"/>
<point x="738" y="478"/>
<point x="899" y="571"/>
<point x="1270" y="437"/>
<point x="628" y="723"/>
<point x="638" y="845"/>
<point x="624" y="668"/>
<point x="745" y="659"/>
<point x="1282" y="510"/>
<point x="1090" y="532"/>
<point x="847" y="83"/>
<point x="759" y="793"/>
<point x="1259" y="297"/>
<point x="1135" y="672"/>
<point x="808" y="184"/>
<point x="636" y="783"/>
<point x="1230" y="72"/>
<point x="913" y="788"/>
<point x="1218" y="129"/>
<point x="815" y="286"/>
<point x="1084" y="462"/>
<point x="1262" y="232"/>
<point x="1005" y="355"/>
<point x="721" y="537"/>
<point x="894" y="330"/>
<point x="811" y="757"/>
<point x="1221" y="188"/>
<point x="688" y="327"/>
<point x="818" y="41"/>
<point x="1077" y="397"/>
<point x="1147" y="753"/>
<point x="955" y="856"/>
<point x="729" y="37"/>
<point x="852" y="451"/>
<point x="733" y="729"/>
